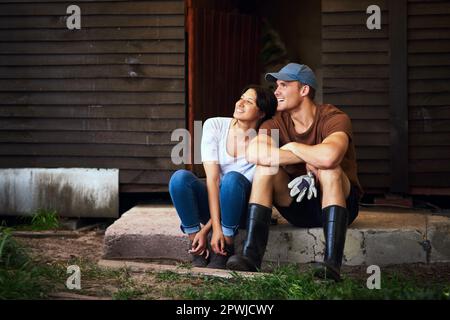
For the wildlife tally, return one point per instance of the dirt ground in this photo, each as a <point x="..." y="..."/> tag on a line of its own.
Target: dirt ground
<point x="88" y="247"/>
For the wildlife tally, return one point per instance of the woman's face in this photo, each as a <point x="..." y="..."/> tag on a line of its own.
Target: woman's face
<point x="246" y="108"/>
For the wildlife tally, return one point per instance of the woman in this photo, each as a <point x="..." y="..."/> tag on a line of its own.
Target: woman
<point x="221" y="204"/>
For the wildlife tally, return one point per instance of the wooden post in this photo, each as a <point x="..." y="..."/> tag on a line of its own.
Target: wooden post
<point x="398" y="95"/>
<point x="189" y="25"/>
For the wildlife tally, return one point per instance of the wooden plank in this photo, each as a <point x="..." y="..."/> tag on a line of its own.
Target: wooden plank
<point x="352" y="58"/>
<point x="349" y="85"/>
<point x="88" y="137"/>
<point x="364" y="126"/>
<point x="87" y="162"/>
<point x="130" y="72"/>
<point x="366" y="112"/>
<point x="166" y="59"/>
<point x="429" y="153"/>
<point x="92" y="21"/>
<point x="435" y="72"/>
<point x="93" y="150"/>
<point x="372" y="153"/>
<point x="430" y="125"/>
<point x="371" y="139"/>
<point x="429" y="139"/>
<point x="429" y="8"/>
<point x="430" y="166"/>
<point x="427" y="112"/>
<point x="352" y="32"/>
<point x="431" y="21"/>
<point x="95" y="111"/>
<point x="359" y="45"/>
<point x="90" y="8"/>
<point x="350" y="5"/>
<point x="350" y="19"/>
<point x="90" y="124"/>
<point x="398" y="97"/>
<point x="429" y="34"/>
<point x="93" y="85"/>
<point x="72" y="47"/>
<point x="90" y="34"/>
<point x="356" y="72"/>
<point x="381" y="166"/>
<point x="428" y="86"/>
<point x="144" y="176"/>
<point x="428" y="59"/>
<point x="429" y="99"/>
<point x="374" y="180"/>
<point x="429" y="46"/>
<point x="434" y="180"/>
<point x="91" y="98"/>
<point x="352" y="99"/>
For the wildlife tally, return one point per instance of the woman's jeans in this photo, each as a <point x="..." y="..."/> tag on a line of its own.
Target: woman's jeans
<point x="190" y="198"/>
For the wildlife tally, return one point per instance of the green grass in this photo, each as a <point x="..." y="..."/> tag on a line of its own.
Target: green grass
<point x="20" y="278"/>
<point x="40" y="220"/>
<point x="287" y="283"/>
<point x="44" y="219"/>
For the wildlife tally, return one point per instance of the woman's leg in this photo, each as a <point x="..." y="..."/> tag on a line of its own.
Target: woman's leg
<point x="190" y="198"/>
<point x="234" y="195"/>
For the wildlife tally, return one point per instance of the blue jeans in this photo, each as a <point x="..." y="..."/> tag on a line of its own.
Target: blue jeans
<point x="190" y="198"/>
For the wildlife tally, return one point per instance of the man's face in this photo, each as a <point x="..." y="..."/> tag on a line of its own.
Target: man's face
<point x="288" y="94"/>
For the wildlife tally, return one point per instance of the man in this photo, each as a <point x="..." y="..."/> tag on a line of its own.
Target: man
<point x="316" y="139"/>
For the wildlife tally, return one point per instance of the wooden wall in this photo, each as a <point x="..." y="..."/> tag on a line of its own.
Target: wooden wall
<point x="429" y="96"/>
<point x="106" y="96"/>
<point x="359" y="77"/>
<point x="355" y="64"/>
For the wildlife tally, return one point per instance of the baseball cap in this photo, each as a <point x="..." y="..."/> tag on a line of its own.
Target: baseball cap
<point x="294" y="72"/>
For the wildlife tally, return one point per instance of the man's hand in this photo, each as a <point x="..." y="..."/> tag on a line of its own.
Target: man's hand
<point x="303" y="185"/>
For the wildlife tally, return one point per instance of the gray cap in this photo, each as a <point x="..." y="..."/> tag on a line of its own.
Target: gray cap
<point x="294" y="72"/>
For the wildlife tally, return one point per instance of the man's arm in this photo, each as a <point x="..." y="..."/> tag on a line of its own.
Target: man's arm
<point x="326" y="155"/>
<point x="262" y="151"/>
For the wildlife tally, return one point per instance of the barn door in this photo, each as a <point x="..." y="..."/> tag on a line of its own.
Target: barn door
<point x="223" y="57"/>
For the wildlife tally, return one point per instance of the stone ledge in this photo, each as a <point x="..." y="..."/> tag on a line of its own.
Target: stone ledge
<point x="152" y="232"/>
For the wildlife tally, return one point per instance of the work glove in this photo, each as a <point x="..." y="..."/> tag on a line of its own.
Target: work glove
<point x="303" y="185"/>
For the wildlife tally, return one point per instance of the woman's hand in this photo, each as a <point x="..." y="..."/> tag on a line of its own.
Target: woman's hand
<point x="218" y="243"/>
<point x="199" y="243"/>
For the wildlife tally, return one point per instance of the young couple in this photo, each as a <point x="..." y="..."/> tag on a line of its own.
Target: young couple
<point x="316" y="151"/>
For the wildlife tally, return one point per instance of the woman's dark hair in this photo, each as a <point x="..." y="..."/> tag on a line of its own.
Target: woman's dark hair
<point x="265" y="100"/>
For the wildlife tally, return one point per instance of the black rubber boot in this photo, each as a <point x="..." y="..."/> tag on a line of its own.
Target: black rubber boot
<point x="335" y="221"/>
<point x="218" y="261"/>
<point x="200" y="261"/>
<point x="255" y="244"/>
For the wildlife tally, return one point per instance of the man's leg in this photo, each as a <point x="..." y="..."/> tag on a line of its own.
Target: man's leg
<point x="335" y="187"/>
<point x="265" y="189"/>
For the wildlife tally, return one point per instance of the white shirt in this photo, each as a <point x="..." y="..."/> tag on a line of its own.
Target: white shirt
<point x="214" y="148"/>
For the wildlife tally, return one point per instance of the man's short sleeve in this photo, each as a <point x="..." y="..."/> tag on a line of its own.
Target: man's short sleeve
<point x="210" y="140"/>
<point x="266" y="127"/>
<point x="337" y="122"/>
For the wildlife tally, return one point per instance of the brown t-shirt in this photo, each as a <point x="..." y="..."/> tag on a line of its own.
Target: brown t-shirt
<point x="328" y="120"/>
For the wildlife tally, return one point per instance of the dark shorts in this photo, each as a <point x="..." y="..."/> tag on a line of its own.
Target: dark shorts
<point x="308" y="213"/>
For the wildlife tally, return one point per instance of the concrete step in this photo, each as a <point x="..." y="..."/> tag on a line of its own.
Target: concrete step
<point x="381" y="238"/>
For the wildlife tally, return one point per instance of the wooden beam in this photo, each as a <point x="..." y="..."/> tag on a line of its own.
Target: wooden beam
<point x="398" y="97"/>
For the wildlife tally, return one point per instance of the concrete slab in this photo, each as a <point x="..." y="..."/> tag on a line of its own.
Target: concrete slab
<point x="152" y="232"/>
<point x="72" y="192"/>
